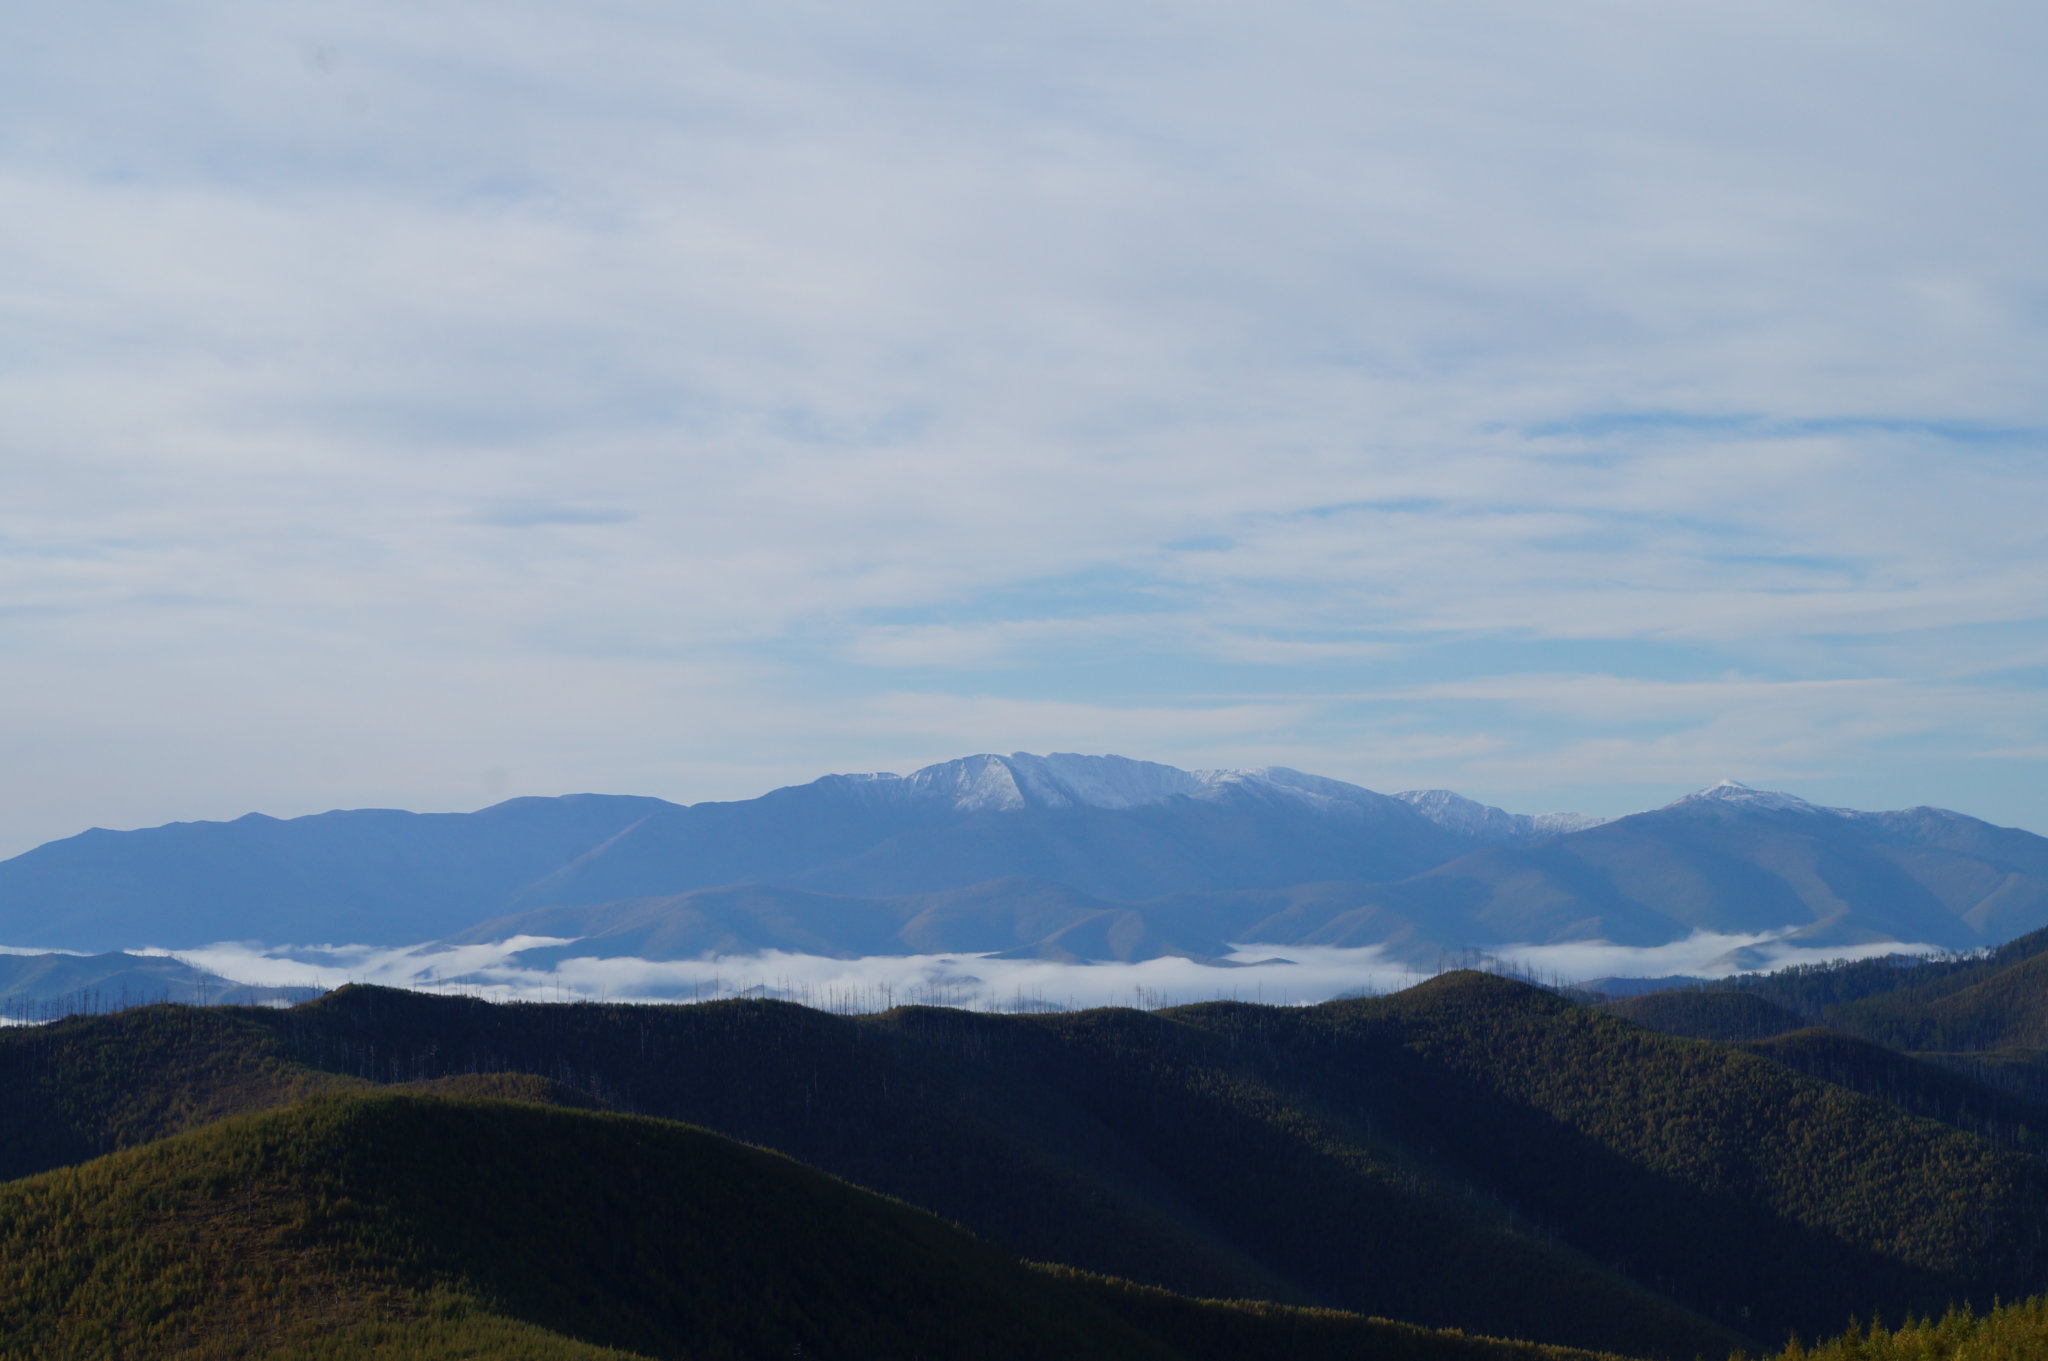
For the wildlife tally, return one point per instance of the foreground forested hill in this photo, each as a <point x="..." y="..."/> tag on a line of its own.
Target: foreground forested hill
<point x="1474" y="1153"/>
<point x="415" y="1225"/>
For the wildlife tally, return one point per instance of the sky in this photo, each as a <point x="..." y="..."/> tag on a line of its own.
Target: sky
<point x="1573" y="405"/>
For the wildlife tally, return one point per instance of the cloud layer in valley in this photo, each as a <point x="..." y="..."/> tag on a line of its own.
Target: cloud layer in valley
<point x="1569" y="404"/>
<point x="1280" y="975"/>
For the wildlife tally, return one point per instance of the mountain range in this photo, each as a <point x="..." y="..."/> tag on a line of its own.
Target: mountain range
<point x="1060" y="857"/>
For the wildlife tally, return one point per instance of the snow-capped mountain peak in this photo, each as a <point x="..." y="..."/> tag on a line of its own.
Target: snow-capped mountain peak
<point x="990" y="783"/>
<point x="1061" y="780"/>
<point x="1736" y="794"/>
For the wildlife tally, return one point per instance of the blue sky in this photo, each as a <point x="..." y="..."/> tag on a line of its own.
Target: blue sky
<point x="1571" y="405"/>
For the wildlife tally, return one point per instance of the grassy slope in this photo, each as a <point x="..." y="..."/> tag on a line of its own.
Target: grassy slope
<point x="1382" y="1155"/>
<point x="420" y="1226"/>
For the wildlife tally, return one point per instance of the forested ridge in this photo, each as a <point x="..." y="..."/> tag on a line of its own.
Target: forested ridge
<point x="1611" y="1186"/>
<point x="1982" y="1014"/>
<point x="424" y="1225"/>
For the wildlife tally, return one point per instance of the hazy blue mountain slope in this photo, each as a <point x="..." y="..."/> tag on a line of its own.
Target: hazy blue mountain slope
<point x="36" y="987"/>
<point x="1183" y="846"/>
<point x="1734" y="861"/>
<point x="835" y="838"/>
<point x="364" y="875"/>
<point x="1469" y="817"/>
<point x="774" y="838"/>
<point x="1054" y="856"/>
<point x="747" y="918"/>
<point x="1099" y="827"/>
<point x="1022" y="917"/>
<point x="2004" y="869"/>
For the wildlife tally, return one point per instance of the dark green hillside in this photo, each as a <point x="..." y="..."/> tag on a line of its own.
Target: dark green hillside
<point x="1965" y="1099"/>
<point x="1983" y="1014"/>
<point x="1602" y="1184"/>
<point x="2005" y="1008"/>
<point x="414" y="1226"/>
<point x="1704" y="1015"/>
<point x="1824" y="991"/>
<point x="1061" y="1138"/>
<point x="1913" y="1085"/>
<point x="1721" y="1178"/>
<point x="92" y="1084"/>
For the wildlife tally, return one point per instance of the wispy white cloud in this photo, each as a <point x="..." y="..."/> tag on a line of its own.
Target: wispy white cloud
<point x="1277" y="974"/>
<point x="627" y="397"/>
<point x="869" y="983"/>
<point x="1701" y="955"/>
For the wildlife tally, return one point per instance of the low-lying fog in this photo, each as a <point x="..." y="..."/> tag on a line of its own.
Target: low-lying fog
<point x="1254" y="973"/>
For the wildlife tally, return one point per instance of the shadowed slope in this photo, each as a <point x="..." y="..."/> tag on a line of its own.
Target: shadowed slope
<point x="405" y="1225"/>
<point x="1377" y="1155"/>
<point x="1704" y="1015"/>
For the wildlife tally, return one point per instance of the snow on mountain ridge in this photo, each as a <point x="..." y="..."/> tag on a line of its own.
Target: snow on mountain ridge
<point x="991" y="783"/>
<point x="1736" y="793"/>
<point x="1457" y="813"/>
<point x="1067" y="780"/>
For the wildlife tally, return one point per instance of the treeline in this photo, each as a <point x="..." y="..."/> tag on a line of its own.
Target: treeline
<point x="1474" y="1152"/>
<point x="417" y="1227"/>
<point x="2014" y="1332"/>
<point x="1899" y="1000"/>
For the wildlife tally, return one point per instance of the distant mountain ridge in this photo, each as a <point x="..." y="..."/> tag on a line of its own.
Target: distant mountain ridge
<point x="1062" y="857"/>
<point x="34" y="987"/>
<point x="1457" y="813"/>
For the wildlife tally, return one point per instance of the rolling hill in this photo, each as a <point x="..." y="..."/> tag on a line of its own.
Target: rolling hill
<point x="1372" y="1155"/>
<point x="420" y="1225"/>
